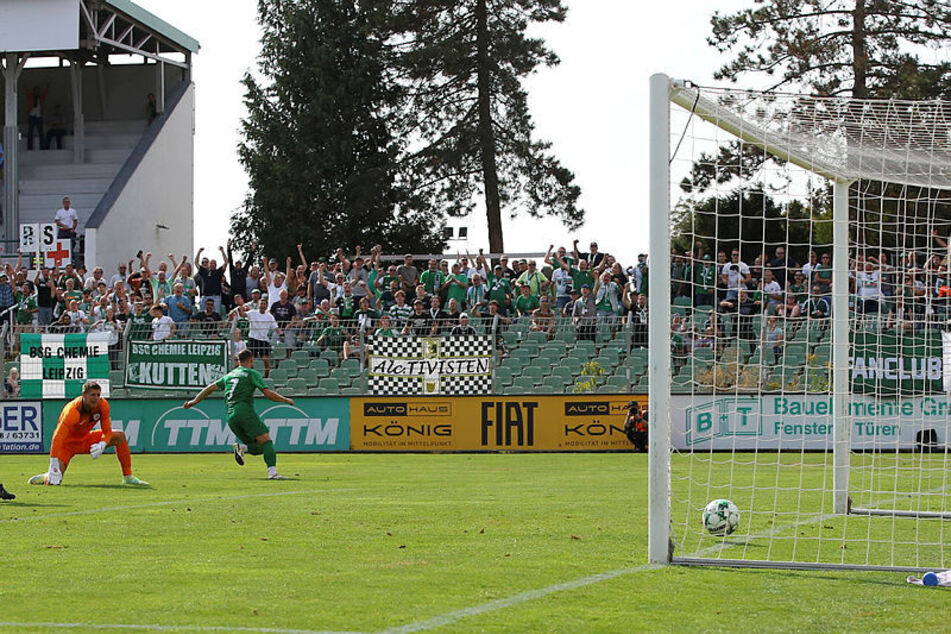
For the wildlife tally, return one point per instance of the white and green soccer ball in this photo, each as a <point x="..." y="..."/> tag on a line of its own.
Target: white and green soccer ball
<point x="721" y="517"/>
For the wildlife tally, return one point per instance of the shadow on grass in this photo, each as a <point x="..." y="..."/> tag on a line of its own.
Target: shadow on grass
<point x="24" y="504"/>
<point x="124" y="487"/>
<point x="854" y="577"/>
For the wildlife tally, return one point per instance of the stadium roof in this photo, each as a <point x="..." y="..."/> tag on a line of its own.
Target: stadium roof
<point x="155" y="23"/>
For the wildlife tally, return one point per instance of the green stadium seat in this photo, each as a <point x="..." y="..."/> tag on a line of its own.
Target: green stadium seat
<point x="310" y="376"/>
<point x="329" y="383"/>
<point x="330" y="356"/>
<point x="300" y="355"/>
<point x="297" y="386"/>
<point x="563" y="372"/>
<point x="318" y="391"/>
<point x="533" y="371"/>
<point x="617" y="381"/>
<point x="526" y="384"/>
<point x="352" y="367"/>
<point x="351" y="391"/>
<point x="537" y="337"/>
<point x="279" y="376"/>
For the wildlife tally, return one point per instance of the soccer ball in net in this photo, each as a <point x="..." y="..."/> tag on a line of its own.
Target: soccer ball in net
<point x="721" y="517"/>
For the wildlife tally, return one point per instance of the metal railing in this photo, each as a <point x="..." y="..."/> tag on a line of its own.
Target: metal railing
<point x="540" y="355"/>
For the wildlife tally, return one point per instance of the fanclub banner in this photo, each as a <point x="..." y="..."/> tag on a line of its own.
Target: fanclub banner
<point x="175" y="365"/>
<point x="907" y="365"/>
<point x="57" y="366"/>
<point x="516" y="423"/>
<point x="801" y="421"/>
<point x="21" y="427"/>
<point x="163" y="425"/>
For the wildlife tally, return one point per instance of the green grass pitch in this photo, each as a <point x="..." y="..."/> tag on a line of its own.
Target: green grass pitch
<point x="372" y="543"/>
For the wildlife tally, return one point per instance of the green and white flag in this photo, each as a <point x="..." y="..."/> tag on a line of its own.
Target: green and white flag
<point x="56" y="366"/>
<point x="175" y="365"/>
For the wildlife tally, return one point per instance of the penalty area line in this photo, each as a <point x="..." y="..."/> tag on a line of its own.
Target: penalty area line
<point x="172" y="628"/>
<point x="129" y="507"/>
<point x="499" y="604"/>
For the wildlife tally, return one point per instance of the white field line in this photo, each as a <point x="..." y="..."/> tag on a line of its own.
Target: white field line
<point x="217" y="498"/>
<point x="499" y="604"/>
<point x="169" y="628"/>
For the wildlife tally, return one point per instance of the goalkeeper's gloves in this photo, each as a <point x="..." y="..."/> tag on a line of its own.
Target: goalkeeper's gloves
<point x="96" y="450"/>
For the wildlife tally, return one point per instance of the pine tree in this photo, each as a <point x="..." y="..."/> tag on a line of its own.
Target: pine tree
<point x="464" y="63"/>
<point x="850" y="48"/>
<point x="318" y="144"/>
<point x="857" y="48"/>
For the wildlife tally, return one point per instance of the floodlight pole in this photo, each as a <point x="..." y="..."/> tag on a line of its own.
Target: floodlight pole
<point x="841" y="388"/>
<point x="659" y="323"/>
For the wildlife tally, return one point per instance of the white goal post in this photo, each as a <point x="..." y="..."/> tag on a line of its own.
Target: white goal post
<point x="800" y="303"/>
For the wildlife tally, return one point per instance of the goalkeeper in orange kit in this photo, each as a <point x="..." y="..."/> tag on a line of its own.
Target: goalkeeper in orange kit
<point x="74" y="435"/>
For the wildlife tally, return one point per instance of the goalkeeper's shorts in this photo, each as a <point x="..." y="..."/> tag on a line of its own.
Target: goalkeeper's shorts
<point x="67" y="447"/>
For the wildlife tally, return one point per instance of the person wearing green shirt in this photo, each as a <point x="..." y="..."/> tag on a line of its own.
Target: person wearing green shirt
<point x="580" y="275"/>
<point x="499" y="288"/>
<point x="822" y="275"/>
<point x="239" y="386"/>
<point x="26" y="306"/>
<point x="526" y="303"/>
<point x="364" y="315"/>
<point x="705" y="282"/>
<point x="385" y="328"/>
<point x="457" y="285"/>
<point x="333" y="335"/>
<point x="432" y="278"/>
<point x="799" y="288"/>
<point x="400" y="311"/>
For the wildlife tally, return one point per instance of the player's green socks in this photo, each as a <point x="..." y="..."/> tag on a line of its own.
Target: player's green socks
<point x="255" y="449"/>
<point x="270" y="456"/>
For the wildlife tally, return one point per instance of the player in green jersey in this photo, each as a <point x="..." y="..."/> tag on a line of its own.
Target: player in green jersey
<point x="252" y="433"/>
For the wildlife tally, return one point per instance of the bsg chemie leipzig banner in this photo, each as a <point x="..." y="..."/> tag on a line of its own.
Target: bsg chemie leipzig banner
<point x="165" y="426"/>
<point x="514" y="423"/>
<point x="56" y="366"/>
<point x="175" y="365"/>
<point x="803" y="421"/>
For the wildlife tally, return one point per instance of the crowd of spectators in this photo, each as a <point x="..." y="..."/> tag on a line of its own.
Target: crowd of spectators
<point x="333" y="301"/>
<point x="761" y="302"/>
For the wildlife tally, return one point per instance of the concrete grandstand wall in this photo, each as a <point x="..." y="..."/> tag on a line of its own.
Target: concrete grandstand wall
<point x="151" y="204"/>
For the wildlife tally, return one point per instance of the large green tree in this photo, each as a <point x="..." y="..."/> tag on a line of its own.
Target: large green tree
<point x="855" y="48"/>
<point x="319" y="144"/>
<point x="850" y="48"/>
<point x="464" y="64"/>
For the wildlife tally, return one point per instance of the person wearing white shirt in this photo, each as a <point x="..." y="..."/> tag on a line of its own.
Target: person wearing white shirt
<point x="735" y="275"/>
<point x="66" y="222"/>
<point x="868" y="287"/>
<point x="261" y="325"/>
<point x="772" y="292"/>
<point x="162" y="325"/>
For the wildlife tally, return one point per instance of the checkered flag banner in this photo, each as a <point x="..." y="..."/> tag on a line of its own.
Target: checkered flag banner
<point x="56" y="366"/>
<point x="411" y="365"/>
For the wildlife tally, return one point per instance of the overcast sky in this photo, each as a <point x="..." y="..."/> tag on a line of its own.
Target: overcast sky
<point x="592" y="107"/>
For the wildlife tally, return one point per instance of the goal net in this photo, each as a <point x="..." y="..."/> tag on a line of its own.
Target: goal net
<point x="800" y="302"/>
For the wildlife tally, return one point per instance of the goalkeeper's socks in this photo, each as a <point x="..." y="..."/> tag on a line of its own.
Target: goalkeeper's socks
<point x="272" y="474"/>
<point x="125" y="458"/>
<point x="270" y="456"/>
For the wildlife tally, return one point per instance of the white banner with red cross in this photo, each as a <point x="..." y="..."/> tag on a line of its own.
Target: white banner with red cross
<point x="39" y="242"/>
